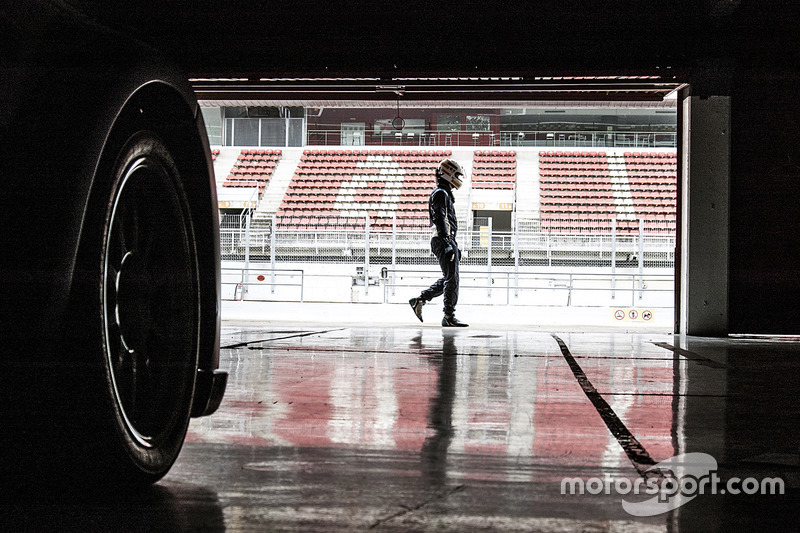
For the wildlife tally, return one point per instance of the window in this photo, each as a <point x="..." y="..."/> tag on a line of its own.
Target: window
<point x="383" y="126"/>
<point x="478" y="123"/>
<point x="448" y="123"/>
<point x="245" y="132"/>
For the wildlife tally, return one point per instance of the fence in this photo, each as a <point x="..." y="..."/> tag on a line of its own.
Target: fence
<point x="567" y="138"/>
<point x="552" y="288"/>
<point x="286" y="257"/>
<point x="549" y="242"/>
<point x="341" y="283"/>
<point x="237" y="283"/>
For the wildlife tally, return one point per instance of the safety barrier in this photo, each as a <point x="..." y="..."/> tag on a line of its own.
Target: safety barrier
<point x="542" y="287"/>
<point x="256" y="283"/>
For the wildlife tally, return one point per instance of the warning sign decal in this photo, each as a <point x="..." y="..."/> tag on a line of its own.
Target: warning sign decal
<point x="633" y="315"/>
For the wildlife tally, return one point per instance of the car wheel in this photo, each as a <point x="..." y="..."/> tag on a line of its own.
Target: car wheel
<point x="149" y="312"/>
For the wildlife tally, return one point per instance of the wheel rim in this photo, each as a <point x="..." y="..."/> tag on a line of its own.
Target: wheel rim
<point x="150" y="299"/>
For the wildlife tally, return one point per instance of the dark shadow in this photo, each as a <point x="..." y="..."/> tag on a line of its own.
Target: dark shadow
<point x="161" y="507"/>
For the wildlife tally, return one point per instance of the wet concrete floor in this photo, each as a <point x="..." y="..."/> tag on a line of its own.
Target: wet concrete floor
<point x="403" y="428"/>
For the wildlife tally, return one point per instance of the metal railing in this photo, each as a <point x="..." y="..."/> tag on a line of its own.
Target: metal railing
<point x="275" y="262"/>
<point x="514" y="137"/>
<point x="260" y="283"/>
<point x="513" y="285"/>
<point x="495" y="287"/>
<point x="649" y="243"/>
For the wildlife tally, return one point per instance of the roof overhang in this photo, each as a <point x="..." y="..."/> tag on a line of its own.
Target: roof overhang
<point x="506" y="91"/>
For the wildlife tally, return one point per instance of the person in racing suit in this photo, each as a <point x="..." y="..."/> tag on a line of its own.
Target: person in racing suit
<point x="444" y="226"/>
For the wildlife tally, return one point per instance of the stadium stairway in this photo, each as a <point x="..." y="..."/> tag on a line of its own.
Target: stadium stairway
<point x="463" y="201"/>
<point x="623" y="200"/>
<point x="276" y="190"/>
<point x="223" y="163"/>
<point x="527" y="200"/>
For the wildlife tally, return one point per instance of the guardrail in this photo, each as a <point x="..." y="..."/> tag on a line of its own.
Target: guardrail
<point x="526" y="136"/>
<point x="516" y="282"/>
<point x="413" y="247"/>
<point x="502" y="287"/>
<point x="516" y="258"/>
<point x="243" y="280"/>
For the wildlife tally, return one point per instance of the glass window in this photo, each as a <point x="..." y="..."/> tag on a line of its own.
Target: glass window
<point x="212" y="117"/>
<point x="478" y="123"/>
<point x="236" y="112"/>
<point x="245" y="132"/>
<point x="229" y="131"/>
<point x="273" y="132"/>
<point x="261" y="111"/>
<point x="295" y="112"/>
<point x="295" y="131"/>
<point x="383" y="126"/>
<point x="448" y="123"/>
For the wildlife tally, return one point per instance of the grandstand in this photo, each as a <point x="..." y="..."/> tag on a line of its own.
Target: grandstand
<point x="326" y="214"/>
<point x="252" y="169"/>
<point x="578" y="191"/>
<point x="494" y="170"/>
<point x="340" y="188"/>
<point x="592" y="188"/>
<point x="652" y="182"/>
<point x="551" y="198"/>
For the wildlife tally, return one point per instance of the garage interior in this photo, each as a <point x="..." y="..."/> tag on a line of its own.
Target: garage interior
<point x="328" y="426"/>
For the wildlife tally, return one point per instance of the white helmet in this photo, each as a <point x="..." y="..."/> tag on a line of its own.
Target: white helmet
<point x="451" y="171"/>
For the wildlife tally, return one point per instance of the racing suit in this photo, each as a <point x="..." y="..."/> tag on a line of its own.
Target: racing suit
<point x="444" y="227"/>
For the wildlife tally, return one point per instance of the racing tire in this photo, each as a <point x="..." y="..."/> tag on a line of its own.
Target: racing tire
<point x="136" y="321"/>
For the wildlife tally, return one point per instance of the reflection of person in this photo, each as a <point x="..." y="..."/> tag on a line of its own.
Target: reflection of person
<point x="440" y="415"/>
<point x="444" y="226"/>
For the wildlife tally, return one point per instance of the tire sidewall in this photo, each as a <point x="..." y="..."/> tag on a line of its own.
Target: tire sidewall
<point x="125" y="457"/>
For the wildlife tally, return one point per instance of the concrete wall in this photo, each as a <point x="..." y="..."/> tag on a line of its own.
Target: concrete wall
<point x="740" y="204"/>
<point x="705" y="185"/>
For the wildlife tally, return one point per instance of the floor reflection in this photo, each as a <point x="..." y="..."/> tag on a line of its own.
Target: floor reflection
<point x="437" y="390"/>
<point x="440" y="414"/>
<point x="393" y="429"/>
<point x="487" y="423"/>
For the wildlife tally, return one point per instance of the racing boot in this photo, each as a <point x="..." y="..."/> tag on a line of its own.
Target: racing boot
<point x="452" y="322"/>
<point x="416" y="304"/>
